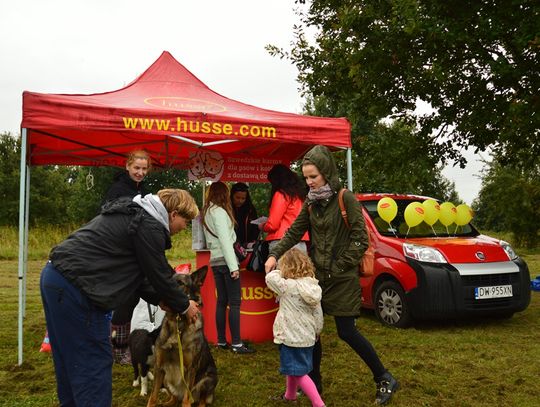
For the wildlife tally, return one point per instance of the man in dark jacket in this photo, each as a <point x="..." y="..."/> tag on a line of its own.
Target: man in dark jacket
<point x="336" y="250"/>
<point x="118" y="255"/>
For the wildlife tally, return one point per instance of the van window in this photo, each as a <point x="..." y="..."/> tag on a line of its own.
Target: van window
<point x="399" y="228"/>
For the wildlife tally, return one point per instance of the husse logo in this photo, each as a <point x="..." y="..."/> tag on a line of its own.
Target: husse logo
<point x="258" y="300"/>
<point x="184" y="104"/>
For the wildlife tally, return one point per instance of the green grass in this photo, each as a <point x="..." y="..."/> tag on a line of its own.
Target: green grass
<point x="480" y="362"/>
<point x="43" y="238"/>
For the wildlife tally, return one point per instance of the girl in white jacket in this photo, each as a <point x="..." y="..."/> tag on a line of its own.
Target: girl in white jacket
<point x="298" y="322"/>
<point x="218" y="224"/>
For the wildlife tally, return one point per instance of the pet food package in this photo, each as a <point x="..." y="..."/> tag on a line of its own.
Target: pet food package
<point x="198" y="242"/>
<point x="184" y="268"/>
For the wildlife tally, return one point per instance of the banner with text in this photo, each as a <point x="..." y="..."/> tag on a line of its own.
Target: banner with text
<point x="212" y="166"/>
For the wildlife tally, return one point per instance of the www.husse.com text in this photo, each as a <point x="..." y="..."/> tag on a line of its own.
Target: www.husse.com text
<point x="198" y="127"/>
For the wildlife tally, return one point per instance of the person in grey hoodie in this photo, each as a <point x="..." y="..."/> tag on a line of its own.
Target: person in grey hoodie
<point x="118" y="255"/>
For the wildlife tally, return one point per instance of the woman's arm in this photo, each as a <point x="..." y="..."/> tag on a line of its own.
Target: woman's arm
<point x="277" y="209"/>
<point x="224" y="227"/>
<point x="150" y="245"/>
<point x="299" y="227"/>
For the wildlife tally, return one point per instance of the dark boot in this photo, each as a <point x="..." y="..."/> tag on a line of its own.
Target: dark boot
<point x="315" y="374"/>
<point x="386" y="387"/>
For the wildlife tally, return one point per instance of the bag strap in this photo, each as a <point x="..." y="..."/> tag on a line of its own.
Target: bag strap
<point x="342" y="207"/>
<point x="150" y="314"/>
<point x="209" y="231"/>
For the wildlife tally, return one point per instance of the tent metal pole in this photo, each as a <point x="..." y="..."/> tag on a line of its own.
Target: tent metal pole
<point x="349" y="169"/>
<point x="22" y="239"/>
<point x="26" y="234"/>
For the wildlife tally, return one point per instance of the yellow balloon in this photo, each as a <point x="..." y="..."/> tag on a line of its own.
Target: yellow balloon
<point x="387" y="209"/>
<point x="432" y="211"/>
<point x="464" y="214"/>
<point x="414" y="214"/>
<point x="448" y="213"/>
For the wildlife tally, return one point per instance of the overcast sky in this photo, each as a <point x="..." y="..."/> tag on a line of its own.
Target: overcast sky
<point x="78" y="46"/>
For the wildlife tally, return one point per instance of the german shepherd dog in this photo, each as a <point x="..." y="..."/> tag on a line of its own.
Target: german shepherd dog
<point x="200" y="372"/>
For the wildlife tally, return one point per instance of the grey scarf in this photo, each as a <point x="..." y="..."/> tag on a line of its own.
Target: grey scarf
<point x="154" y="207"/>
<point x="323" y="192"/>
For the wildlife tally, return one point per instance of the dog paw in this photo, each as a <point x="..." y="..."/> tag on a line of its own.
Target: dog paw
<point x="135" y="383"/>
<point x="150" y="376"/>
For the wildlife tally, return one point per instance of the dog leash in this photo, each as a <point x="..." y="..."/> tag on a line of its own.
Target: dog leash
<point x="181" y="356"/>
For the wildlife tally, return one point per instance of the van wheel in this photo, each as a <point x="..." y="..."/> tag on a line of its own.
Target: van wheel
<point x="391" y="306"/>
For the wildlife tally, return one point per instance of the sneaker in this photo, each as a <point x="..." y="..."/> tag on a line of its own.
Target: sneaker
<point x="281" y="398"/>
<point x="242" y="349"/>
<point x="223" y="346"/>
<point x="386" y="388"/>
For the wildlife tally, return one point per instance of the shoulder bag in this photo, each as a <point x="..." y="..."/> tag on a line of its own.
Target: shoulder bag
<point x="259" y="255"/>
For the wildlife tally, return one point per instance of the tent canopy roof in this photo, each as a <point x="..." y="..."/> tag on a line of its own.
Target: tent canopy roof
<point x="170" y="113"/>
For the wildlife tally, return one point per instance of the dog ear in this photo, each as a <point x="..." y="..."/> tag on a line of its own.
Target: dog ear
<point x="199" y="275"/>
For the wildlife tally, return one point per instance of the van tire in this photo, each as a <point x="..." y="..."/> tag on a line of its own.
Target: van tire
<point x="391" y="306"/>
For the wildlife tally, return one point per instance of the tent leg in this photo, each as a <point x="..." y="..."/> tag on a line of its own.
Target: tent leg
<point x="22" y="238"/>
<point x="26" y="234"/>
<point x="349" y="169"/>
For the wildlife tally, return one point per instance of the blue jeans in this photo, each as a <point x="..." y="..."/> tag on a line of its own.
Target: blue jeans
<point x="228" y="294"/>
<point x="79" y="337"/>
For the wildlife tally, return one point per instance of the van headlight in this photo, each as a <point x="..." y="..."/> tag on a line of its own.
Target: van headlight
<point x="423" y="253"/>
<point x="508" y="249"/>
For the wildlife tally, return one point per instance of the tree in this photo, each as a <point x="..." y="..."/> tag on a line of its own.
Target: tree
<point x="476" y="63"/>
<point x="9" y="179"/>
<point x="392" y="158"/>
<point x="509" y="200"/>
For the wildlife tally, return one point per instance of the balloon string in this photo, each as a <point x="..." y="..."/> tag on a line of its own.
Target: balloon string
<point x="435" y="233"/>
<point x="392" y="229"/>
<point x="407" y="234"/>
<point x="447" y="231"/>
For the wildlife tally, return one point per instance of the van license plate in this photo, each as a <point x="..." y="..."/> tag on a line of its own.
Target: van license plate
<point x="497" y="291"/>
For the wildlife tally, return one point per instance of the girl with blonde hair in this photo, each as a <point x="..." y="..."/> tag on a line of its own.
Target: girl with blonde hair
<point x="298" y="323"/>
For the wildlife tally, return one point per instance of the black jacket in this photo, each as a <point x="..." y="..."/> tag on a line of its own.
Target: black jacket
<point x="124" y="186"/>
<point x="119" y="254"/>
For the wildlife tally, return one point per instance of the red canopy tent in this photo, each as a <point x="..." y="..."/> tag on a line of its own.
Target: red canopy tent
<point x="171" y="114"/>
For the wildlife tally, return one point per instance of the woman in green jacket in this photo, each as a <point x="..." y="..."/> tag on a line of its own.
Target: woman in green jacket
<point x="335" y="251"/>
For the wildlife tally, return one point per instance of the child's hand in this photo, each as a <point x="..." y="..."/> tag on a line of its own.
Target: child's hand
<point x="270" y="264"/>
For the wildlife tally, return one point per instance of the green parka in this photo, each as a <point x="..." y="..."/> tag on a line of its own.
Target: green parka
<point x="335" y="249"/>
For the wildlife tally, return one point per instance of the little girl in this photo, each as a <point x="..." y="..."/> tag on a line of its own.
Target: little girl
<point x="298" y="322"/>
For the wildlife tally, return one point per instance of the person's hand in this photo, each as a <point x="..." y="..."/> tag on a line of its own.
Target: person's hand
<point x="261" y="226"/>
<point x="235" y="274"/>
<point x="193" y="311"/>
<point x="165" y="307"/>
<point x="270" y="264"/>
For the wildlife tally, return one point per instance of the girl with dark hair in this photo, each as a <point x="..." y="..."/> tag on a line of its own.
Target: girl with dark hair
<point x="286" y="199"/>
<point x="218" y="224"/>
<point x="244" y="213"/>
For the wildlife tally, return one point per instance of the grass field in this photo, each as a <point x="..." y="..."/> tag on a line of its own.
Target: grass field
<point x="486" y="362"/>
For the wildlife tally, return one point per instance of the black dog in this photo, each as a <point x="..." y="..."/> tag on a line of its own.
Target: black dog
<point x="141" y="346"/>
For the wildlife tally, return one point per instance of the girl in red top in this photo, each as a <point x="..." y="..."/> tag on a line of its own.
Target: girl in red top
<point x="287" y="196"/>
